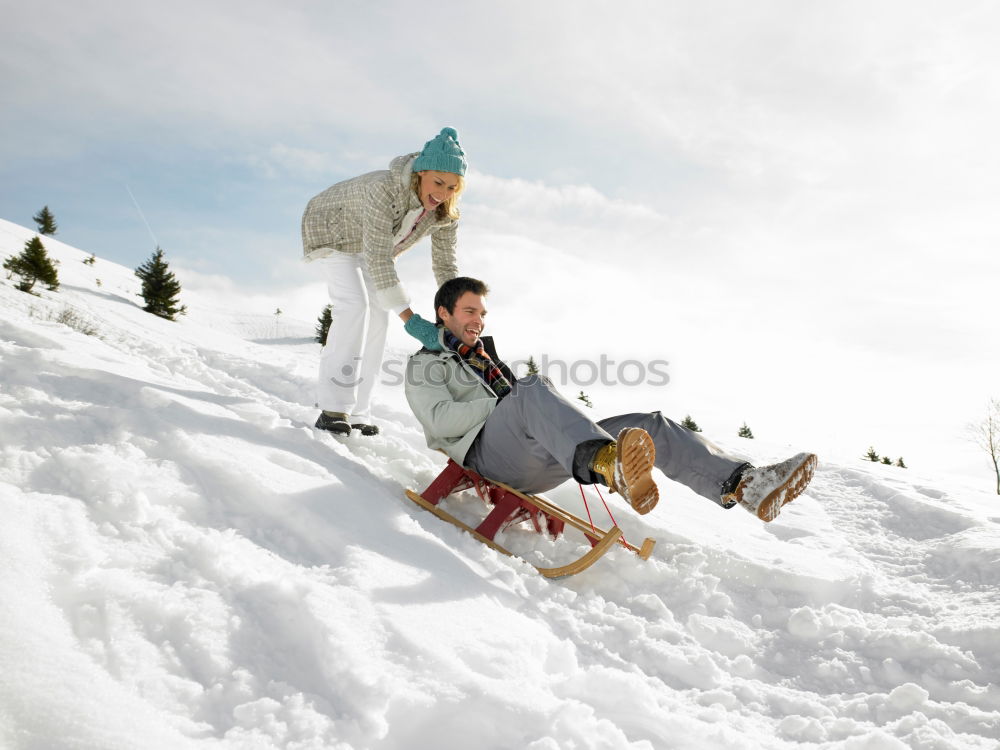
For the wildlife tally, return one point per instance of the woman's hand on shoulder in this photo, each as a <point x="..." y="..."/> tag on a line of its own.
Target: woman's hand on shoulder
<point x="423" y="331"/>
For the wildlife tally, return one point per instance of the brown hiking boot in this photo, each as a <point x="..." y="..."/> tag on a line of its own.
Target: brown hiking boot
<point x="626" y="467"/>
<point x="763" y="491"/>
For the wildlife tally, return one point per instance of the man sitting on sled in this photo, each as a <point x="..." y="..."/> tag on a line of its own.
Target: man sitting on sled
<point x="523" y="432"/>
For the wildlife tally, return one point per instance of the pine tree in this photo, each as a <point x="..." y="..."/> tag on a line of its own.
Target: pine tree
<point x="33" y="264"/>
<point x="323" y="324"/>
<point x="745" y="432"/>
<point x="586" y="399"/>
<point x="46" y="221"/>
<point x="900" y="463"/>
<point x="690" y="424"/>
<point x="90" y="261"/>
<point x="887" y="461"/>
<point x="160" y="287"/>
<point x="872" y="455"/>
<point x="532" y="366"/>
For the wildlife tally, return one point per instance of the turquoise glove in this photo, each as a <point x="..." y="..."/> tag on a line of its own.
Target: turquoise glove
<point x="423" y="331"/>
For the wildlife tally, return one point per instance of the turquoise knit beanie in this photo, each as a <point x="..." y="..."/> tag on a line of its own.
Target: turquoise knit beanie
<point x="442" y="154"/>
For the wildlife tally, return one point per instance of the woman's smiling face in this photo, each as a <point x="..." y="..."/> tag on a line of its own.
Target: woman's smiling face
<point x="437" y="187"/>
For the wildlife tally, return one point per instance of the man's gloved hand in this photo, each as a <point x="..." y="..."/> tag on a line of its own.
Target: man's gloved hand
<point x="423" y="331"/>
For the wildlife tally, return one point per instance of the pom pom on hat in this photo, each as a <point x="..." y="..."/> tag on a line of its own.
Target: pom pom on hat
<point x="442" y="154"/>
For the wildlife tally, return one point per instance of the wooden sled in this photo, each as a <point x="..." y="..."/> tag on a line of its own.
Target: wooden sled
<point x="510" y="506"/>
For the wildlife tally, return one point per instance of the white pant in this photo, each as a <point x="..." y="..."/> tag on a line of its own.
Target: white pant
<point x="350" y="361"/>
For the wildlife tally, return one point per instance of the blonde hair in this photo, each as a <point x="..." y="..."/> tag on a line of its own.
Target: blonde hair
<point x="448" y="209"/>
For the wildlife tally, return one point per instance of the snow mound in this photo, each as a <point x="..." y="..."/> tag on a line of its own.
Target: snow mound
<point x="186" y="563"/>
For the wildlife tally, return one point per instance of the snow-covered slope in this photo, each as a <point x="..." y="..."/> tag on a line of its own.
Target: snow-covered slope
<point x="186" y="563"/>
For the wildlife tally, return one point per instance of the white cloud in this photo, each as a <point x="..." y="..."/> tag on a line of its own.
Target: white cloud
<point x="823" y="172"/>
<point x="280" y="160"/>
<point x="758" y="97"/>
<point x="208" y="71"/>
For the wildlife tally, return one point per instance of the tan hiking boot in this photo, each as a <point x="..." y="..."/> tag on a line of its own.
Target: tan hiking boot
<point x="763" y="491"/>
<point x="626" y="466"/>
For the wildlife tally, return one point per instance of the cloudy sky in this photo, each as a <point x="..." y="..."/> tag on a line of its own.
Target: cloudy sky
<point x="794" y="203"/>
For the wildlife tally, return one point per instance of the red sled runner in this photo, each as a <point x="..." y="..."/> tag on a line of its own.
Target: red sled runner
<point x="509" y="506"/>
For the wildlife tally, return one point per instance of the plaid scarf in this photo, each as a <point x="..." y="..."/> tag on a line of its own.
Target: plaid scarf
<point x="479" y="361"/>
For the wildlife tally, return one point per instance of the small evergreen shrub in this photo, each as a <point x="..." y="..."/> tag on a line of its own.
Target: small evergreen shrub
<point x="323" y="325"/>
<point x="690" y="424"/>
<point x="33" y="265"/>
<point x="160" y="288"/>
<point x="45" y="221"/>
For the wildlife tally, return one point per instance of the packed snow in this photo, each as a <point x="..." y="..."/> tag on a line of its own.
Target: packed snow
<point x="186" y="563"/>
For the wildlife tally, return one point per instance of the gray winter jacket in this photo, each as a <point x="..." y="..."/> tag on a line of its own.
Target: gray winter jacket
<point x="449" y="399"/>
<point x="363" y="215"/>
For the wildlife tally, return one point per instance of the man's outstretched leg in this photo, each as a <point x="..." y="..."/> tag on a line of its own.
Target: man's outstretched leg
<point x="532" y="441"/>
<point x="688" y="458"/>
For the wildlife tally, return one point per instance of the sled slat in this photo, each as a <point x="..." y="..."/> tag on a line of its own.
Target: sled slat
<point x="445" y="516"/>
<point x="576" y="522"/>
<point x="511" y="506"/>
<point x="578" y="565"/>
<point x="592" y="556"/>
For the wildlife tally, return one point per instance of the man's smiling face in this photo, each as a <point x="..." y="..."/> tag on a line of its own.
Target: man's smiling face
<point x="468" y="319"/>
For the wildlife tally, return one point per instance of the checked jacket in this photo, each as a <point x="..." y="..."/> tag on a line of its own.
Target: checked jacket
<point x="364" y="215"/>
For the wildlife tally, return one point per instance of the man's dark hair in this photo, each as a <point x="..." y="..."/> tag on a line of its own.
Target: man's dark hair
<point x="447" y="296"/>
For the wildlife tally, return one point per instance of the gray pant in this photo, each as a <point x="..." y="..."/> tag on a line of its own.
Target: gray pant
<point x="530" y="441"/>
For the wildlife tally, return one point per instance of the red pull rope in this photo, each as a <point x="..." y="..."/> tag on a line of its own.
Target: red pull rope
<point x="610" y="514"/>
<point x="586" y="505"/>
